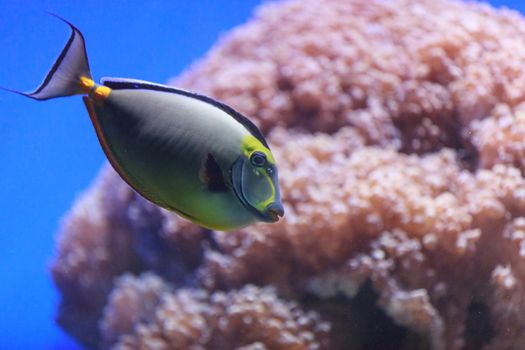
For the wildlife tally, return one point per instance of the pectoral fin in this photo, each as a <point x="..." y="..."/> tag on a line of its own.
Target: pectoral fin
<point x="211" y="175"/>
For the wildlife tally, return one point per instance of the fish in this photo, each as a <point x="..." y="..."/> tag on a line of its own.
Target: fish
<point x="185" y="152"/>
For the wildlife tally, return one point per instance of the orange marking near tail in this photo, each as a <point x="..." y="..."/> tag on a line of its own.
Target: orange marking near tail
<point x="86" y="84"/>
<point x="101" y="93"/>
<point x="98" y="92"/>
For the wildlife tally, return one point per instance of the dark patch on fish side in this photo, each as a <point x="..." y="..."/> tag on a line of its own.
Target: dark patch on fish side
<point x="211" y="175"/>
<point x="133" y="183"/>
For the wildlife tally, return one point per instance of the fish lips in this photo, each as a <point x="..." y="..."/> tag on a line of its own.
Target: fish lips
<point x="271" y="213"/>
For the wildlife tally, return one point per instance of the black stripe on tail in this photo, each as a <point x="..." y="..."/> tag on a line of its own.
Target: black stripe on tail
<point x="64" y="76"/>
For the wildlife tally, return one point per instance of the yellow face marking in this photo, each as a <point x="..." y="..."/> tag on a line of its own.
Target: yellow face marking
<point x="271" y="198"/>
<point x="250" y="144"/>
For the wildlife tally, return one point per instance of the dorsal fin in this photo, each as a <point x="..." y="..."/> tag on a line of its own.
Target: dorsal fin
<point x="211" y="175"/>
<point x="121" y="84"/>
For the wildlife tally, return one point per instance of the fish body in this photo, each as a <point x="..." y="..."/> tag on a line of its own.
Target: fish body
<point x="164" y="157"/>
<point x="183" y="151"/>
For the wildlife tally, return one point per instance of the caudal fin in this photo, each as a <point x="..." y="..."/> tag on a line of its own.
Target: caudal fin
<point x="65" y="76"/>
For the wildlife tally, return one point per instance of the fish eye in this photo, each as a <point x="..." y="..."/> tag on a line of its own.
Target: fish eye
<point x="258" y="159"/>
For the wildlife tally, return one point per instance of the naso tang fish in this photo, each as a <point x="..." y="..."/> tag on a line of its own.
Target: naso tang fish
<point x="183" y="151"/>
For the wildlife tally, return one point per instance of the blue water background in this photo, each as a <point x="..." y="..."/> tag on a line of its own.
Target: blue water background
<point x="49" y="152"/>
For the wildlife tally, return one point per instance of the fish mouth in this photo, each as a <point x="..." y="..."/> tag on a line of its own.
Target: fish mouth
<point x="273" y="212"/>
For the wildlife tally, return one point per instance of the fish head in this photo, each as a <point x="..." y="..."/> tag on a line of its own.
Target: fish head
<point x="255" y="181"/>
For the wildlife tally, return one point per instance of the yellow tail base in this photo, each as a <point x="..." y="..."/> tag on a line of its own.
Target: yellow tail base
<point x="97" y="92"/>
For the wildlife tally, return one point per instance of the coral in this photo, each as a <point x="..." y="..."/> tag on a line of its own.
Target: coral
<point x="397" y="127"/>
<point x="194" y="319"/>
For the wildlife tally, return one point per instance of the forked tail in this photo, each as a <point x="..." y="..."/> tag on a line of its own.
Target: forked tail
<point x="70" y="73"/>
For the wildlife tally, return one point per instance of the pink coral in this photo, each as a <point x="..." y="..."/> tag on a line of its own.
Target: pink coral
<point x="187" y="319"/>
<point x="397" y="126"/>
